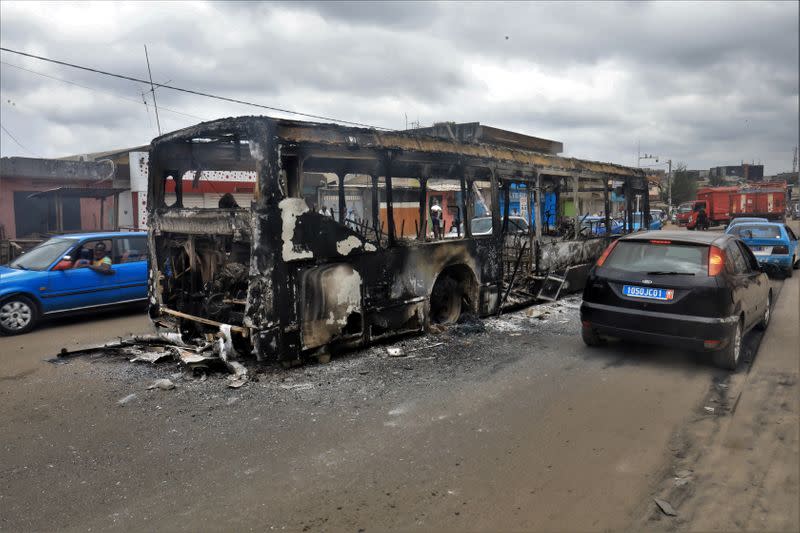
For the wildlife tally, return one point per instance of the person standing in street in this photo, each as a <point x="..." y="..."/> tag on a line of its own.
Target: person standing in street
<point x="436" y="220"/>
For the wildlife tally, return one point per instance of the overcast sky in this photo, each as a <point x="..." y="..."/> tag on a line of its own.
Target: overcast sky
<point x="706" y="83"/>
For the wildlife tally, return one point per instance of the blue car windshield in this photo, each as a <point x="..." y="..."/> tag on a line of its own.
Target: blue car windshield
<point x="747" y="231"/>
<point x="43" y="255"/>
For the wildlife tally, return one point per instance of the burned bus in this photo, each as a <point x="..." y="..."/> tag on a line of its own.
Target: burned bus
<point x="352" y="235"/>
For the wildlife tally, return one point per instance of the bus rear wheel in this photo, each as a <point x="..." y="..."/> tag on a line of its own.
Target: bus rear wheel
<point x="446" y="300"/>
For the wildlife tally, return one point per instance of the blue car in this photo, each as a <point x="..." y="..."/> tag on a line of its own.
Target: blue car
<point x="596" y="225"/>
<point x="746" y="220"/>
<point x="772" y="243"/>
<point x="72" y="273"/>
<point x="655" y="223"/>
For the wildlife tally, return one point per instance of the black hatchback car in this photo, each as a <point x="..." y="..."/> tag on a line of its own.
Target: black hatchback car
<point x="694" y="290"/>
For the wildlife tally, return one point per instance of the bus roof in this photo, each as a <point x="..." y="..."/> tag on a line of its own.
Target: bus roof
<point x="329" y="138"/>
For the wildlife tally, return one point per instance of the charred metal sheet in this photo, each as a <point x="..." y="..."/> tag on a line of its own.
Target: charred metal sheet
<point x="330" y="303"/>
<point x="193" y="222"/>
<point x="558" y="255"/>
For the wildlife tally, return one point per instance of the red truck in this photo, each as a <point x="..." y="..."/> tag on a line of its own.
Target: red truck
<point x="767" y="200"/>
<point x="716" y="201"/>
<point x="683" y="212"/>
<point x="721" y="204"/>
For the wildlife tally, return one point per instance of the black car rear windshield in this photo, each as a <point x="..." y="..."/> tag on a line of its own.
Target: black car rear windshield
<point x="644" y="257"/>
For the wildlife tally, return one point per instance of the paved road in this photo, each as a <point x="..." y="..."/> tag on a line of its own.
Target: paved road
<point x="518" y="426"/>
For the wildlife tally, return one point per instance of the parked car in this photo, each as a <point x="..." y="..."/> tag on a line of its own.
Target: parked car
<point x="596" y="225"/>
<point x="57" y="277"/>
<point x="772" y="243"/>
<point x="796" y="212"/>
<point x="746" y="220"/>
<point x="658" y="214"/>
<point x="683" y="212"/>
<point x="693" y="290"/>
<point x="655" y="223"/>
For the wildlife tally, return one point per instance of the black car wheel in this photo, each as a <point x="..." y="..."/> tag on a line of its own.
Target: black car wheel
<point x="590" y="337"/>
<point x="788" y="272"/>
<point x="18" y="314"/>
<point x="728" y="357"/>
<point x="767" y="314"/>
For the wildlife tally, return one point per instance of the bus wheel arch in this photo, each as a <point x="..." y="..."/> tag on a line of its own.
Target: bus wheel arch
<point x="454" y="293"/>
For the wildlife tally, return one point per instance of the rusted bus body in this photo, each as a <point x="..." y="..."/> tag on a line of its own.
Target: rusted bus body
<point x="293" y="279"/>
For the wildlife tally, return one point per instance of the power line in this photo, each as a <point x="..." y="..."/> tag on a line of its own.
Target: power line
<point x="98" y="90"/>
<point x="16" y="141"/>
<point x="190" y="91"/>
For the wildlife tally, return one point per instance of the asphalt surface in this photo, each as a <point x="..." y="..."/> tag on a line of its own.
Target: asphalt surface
<point x="505" y="424"/>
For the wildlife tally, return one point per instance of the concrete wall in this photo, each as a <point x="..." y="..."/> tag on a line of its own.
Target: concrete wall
<point x="90" y="208"/>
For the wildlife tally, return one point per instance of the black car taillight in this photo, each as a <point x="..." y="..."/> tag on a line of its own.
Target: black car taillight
<point x="606" y="253"/>
<point x="716" y="260"/>
<point x="780" y="250"/>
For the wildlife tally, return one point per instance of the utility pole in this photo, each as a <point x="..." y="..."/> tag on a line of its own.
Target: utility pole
<point x="152" y="89"/>
<point x="669" y="188"/>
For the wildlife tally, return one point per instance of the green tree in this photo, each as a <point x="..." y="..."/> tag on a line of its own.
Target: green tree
<point x="684" y="186"/>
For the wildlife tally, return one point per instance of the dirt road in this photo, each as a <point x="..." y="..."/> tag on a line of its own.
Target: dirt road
<point x="511" y="424"/>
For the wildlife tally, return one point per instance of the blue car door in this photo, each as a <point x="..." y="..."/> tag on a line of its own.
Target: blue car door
<point x="77" y="287"/>
<point x="130" y="267"/>
<point x="792" y="241"/>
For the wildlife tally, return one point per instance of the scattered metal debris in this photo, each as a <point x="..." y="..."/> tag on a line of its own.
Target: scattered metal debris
<point x="199" y="356"/>
<point x="123" y="401"/>
<point x="163" y="384"/>
<point x="236" y="383"/>
<point x="150" y="357"/>
<point x="665" y="507"/>
<point x="298" y="386"/>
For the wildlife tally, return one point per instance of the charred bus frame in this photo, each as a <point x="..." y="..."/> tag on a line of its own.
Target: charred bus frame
<point x="287" y="280"/>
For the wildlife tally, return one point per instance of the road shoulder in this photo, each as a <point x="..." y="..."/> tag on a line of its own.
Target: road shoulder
<point x="738" y="466"/>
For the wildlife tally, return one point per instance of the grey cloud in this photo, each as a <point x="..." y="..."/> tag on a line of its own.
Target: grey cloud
<point x="407" y="14"/>
<point x="709" y="83"/>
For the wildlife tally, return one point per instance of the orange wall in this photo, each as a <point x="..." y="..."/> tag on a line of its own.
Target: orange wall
<point x="405" y="218"/>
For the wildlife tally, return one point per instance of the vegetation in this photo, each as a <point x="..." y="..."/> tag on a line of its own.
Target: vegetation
<point x="684" y="185"/>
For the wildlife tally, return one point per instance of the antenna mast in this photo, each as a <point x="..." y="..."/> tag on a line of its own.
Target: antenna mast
<point x="152" y="88"/>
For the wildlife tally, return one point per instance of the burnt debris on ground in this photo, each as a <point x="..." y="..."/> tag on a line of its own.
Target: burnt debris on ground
<point x="435" y="353"/>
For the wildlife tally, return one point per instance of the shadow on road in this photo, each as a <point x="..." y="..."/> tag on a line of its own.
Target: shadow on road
<point x="96" y="317"/>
